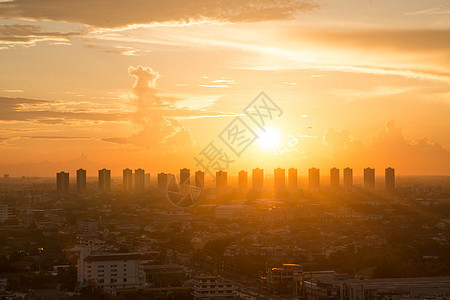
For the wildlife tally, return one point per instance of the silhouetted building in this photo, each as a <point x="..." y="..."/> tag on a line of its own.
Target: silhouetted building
<point x="314" y="178"/>
<point x="292" y="178"/>
<point x="185" y="176"/>
<point x="389" y="179"/>
<point x="369" y="178"/>
<point x="243" y="181"/>
<point x="334" y="178"/>
<point x="147" y="180"/>
<point x="104" y="180"/>
<point x="162" y="181"/>
<point x="139" y="180"/>
<point x="221" y="179"/>
<point x="279" y="179"/>
<point x="257" y="179"/>
<point x="62" y="182"/>
<point x="348" y="178"/>
<point x="127" y="180"/>
<point x="81" y="180"/>
<point x="200" y="179"/>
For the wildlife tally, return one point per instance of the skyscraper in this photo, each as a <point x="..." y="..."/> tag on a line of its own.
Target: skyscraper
<point x="243" y="181"/>
<point x="292" y="178"/>
<point x="279" y="179"/>
<point x="127" y="180"/>
<point x="334" y="178"/>
<point x="314" y="178"/>
<point x="257" y="179"/>
<point x="104" y="180"/>
<point x="139" y="180"/>
<point x="369" y="178"/>
<point x="389" y="179"/>
<point x="185" y="176"/>
<point x="81" y="180"/>
<point x="221" y="179"/>
<point x="200" y="179"/>
<point x="162" y="181"/>
<point x="348" y="178"/>
<point x="62" y="182"/>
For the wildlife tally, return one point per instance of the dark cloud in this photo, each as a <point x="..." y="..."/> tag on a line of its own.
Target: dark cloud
<point x="116" y="13"/>
<point x="30" y="34"/>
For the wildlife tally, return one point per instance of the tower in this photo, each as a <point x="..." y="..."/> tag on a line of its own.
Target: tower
<point x="221" y="179"/>
<point x="139" y="180"/>
<point x="81" y="180"/>
<point x="200" y="179"/>
<point x="185" y="176"/>
<point x="348" y="178"/>
<point x="243" y="181"/>
<point x="62" y="182"/>
<point x="162" y="181"/>
<point x="279" y="179"/>
<point x="127" y="180"/>
<point x="257" y="179"/>
<point x="369" y="178"/>
<point x="389" y="179"/>
<point x="314" y="178"/>
<point x="292" y="178"/>
<point x="334" y="178"/>
<point x="104" y="180"/>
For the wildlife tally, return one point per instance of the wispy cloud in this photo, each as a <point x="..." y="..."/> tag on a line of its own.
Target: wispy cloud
<point x="116" y="14"/>
<point x="29" y="35"/>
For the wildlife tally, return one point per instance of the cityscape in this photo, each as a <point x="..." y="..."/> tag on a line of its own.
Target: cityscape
<point x="226" y="149"/>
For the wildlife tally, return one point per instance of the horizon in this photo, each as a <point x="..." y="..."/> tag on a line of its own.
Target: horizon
<point x="312" y="82"/>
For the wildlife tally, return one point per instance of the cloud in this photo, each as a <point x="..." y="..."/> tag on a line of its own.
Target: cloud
<point x="55" y="111"/>
<point x="10" y="91"/>
<point x="115" y="14"/>
<point x="29" y="35"/>
<point x="156" y="130"/>
<point x="413" y="40"/>
<point x="438" y="10"/>
<point x="337" y="147"/>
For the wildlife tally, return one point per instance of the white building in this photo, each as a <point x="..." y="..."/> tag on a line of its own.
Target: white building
<point x="213" y="287"/>
<point x="111" y="272"/>
<point x="6" y="213"/>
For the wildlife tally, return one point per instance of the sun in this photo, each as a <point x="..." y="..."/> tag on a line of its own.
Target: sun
<point x="270" y="138"/>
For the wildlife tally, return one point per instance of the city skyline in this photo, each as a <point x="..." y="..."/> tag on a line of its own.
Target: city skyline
<point x="360" y="82"/>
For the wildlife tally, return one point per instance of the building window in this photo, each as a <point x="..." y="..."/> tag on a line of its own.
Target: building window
<point x="125" y="279"/>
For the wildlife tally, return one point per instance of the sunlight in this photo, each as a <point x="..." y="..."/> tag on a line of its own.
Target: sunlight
<point x="270" y="138"/>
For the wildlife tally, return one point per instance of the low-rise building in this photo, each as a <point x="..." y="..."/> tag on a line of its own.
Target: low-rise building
<point x="213" y="287"/>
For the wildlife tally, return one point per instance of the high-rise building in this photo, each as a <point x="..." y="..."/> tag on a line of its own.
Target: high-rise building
<point x="139" y="180"/>
<point x="292" y="178"/>
<point x="147" y="180"/>
<point x="162" y="181"/>
<point x="81" y="180"/>
<point x="200" y="179"/>
<point x="127" y="180"/>
<point x="257" y="179"/>
<point x="221" y="179"/>
<point x="185" y="176"/>
<point x="243" y="181"/>
<point x="334" y="178"/>
<point x="389" y="179"/>
<point x="348" y="178"/>
<point x="279" y="179"/>
<point x="314" y="178"/>
<point x="369" y="178"/>
<point x="62" y="182"/>
<point x="104" y="180"/>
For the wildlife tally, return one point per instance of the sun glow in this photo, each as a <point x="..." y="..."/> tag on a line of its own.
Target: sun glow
<point x="270" y="138"/>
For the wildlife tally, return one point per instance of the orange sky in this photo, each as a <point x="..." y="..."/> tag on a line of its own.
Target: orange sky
<point x="108" y="84"/>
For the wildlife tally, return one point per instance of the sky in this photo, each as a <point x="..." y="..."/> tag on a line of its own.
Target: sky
<point x="159" y="84"/>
